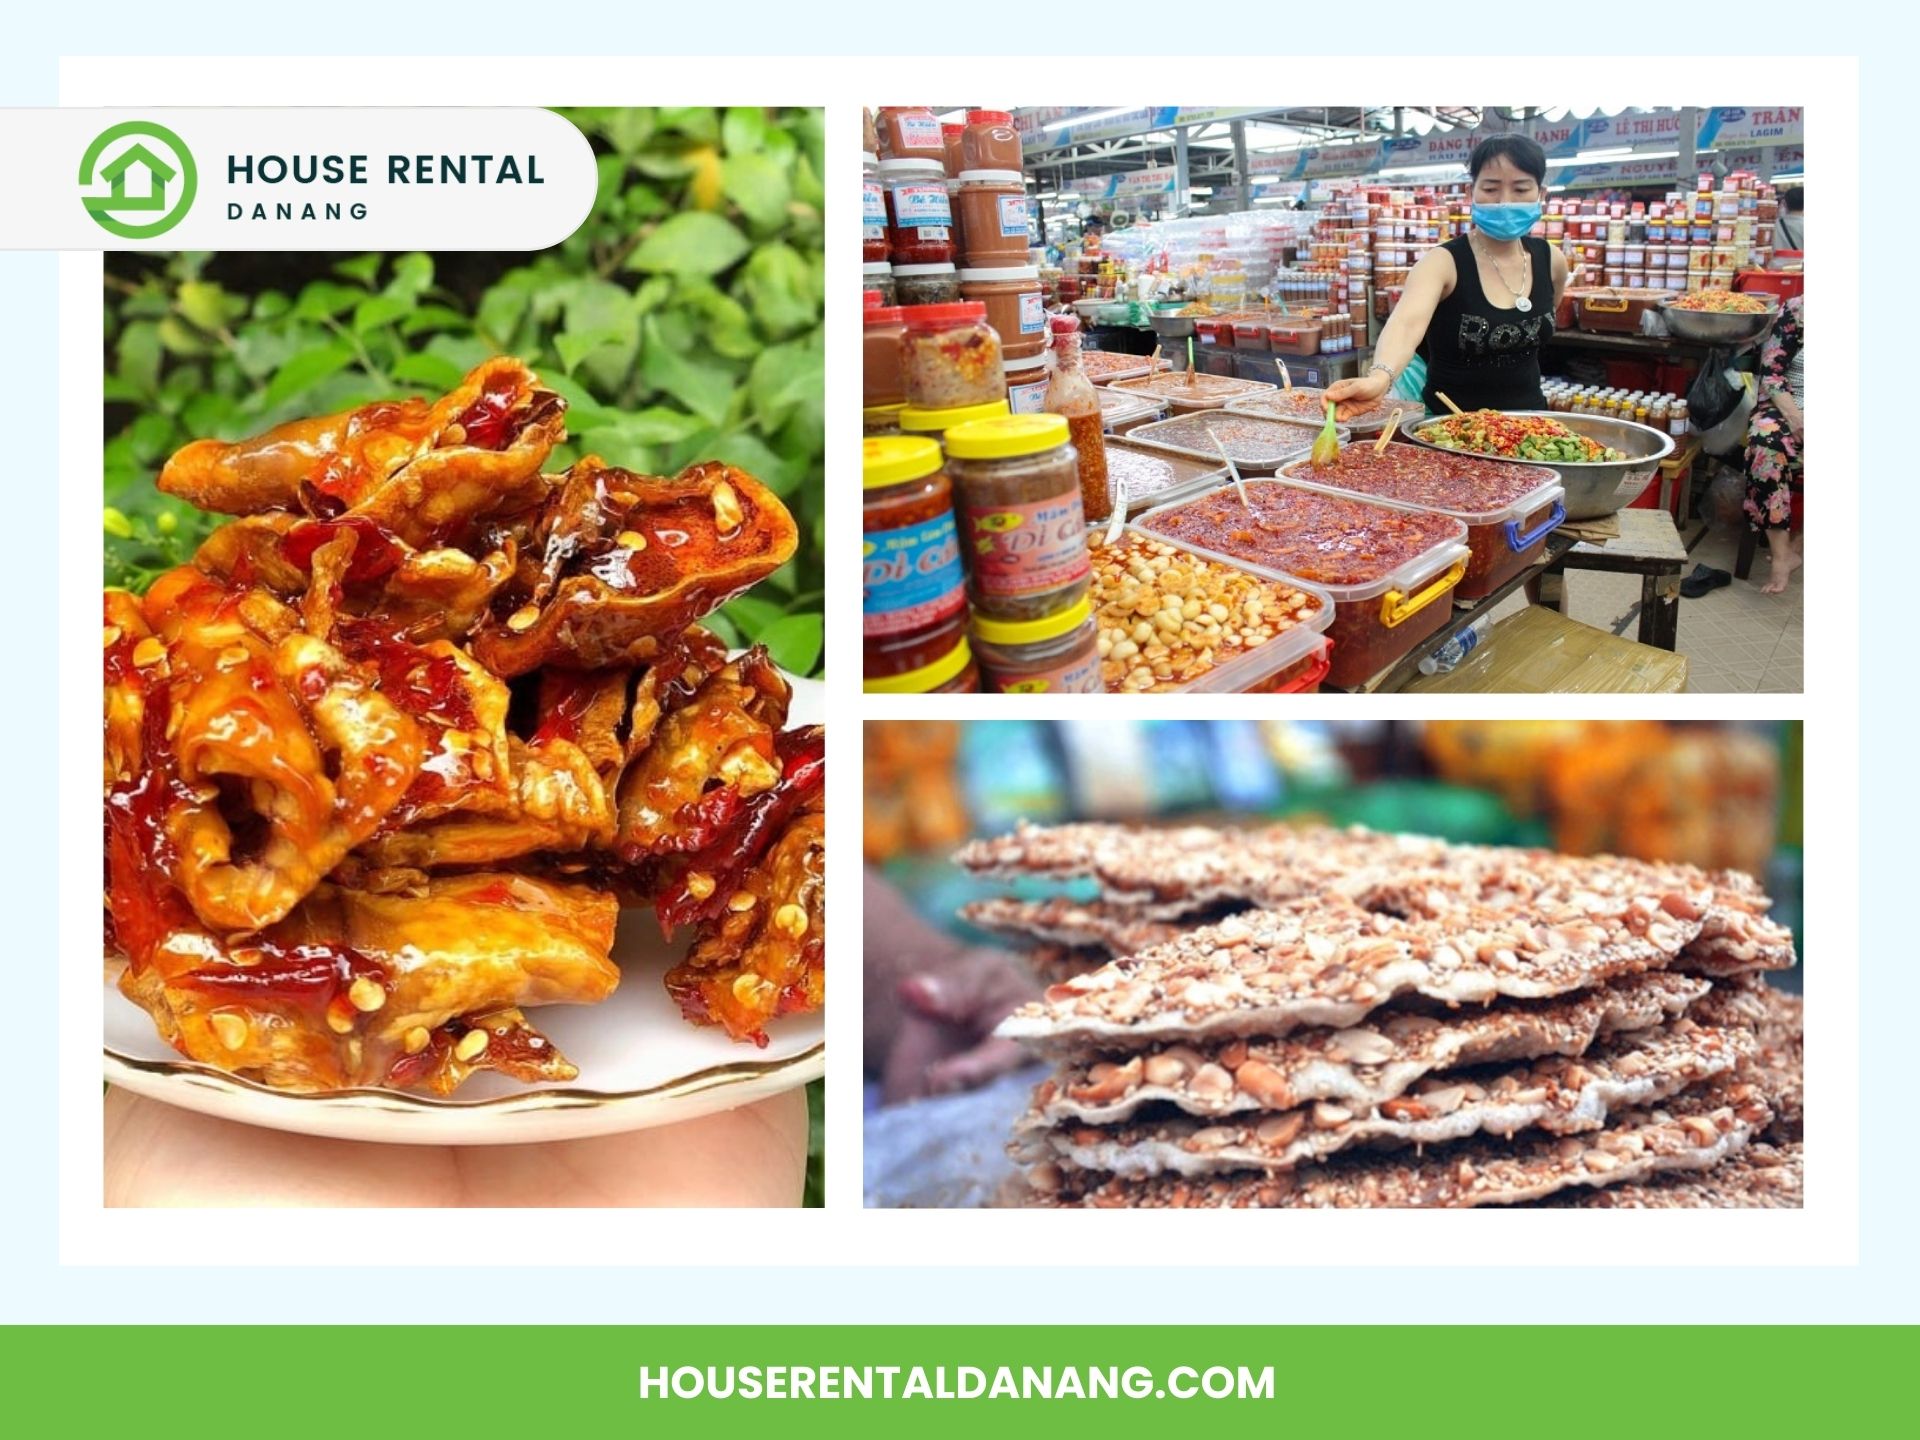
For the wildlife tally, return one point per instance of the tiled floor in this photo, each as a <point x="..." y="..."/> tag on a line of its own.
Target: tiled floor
<point x="1735" y="638"/>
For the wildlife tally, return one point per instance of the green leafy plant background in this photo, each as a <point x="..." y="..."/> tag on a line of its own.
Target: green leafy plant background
<point x="682" y="322"/>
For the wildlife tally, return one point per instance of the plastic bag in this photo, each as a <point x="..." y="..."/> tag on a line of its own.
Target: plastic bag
<point x="1715" y="391"/>
<point x="1727" y="437"/>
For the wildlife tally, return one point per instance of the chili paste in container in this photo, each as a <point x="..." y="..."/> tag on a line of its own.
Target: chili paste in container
<point x="1509" y="510"/>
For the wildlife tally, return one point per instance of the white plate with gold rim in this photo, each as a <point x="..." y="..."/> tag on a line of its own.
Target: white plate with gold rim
<point x="641" y="1064"/>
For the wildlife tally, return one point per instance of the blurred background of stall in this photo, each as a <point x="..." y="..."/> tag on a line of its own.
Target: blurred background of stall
<point x="1715" y="794"/>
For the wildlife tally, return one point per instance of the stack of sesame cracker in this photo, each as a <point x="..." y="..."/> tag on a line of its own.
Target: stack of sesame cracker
<point x="1284" y="1017"/>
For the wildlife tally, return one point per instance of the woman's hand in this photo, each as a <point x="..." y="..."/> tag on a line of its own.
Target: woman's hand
<point x="1351" y="397"/>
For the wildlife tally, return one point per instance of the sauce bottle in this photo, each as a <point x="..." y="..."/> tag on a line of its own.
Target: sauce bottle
<point x="1071" y="394"/>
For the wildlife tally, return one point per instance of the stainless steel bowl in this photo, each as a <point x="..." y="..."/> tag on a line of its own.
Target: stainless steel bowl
<point x="1707" y="327"/>
<point x="1172" y="327"/>
<point x="1594" y="488"/>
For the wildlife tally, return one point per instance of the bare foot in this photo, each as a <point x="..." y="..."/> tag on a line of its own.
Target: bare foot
<point x="1783" y="566"/>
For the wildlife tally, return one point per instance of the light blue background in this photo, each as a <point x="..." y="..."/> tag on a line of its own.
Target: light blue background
<point x="1881" y="1288"/>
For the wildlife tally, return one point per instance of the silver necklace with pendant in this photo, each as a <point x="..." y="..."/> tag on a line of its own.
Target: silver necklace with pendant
<point x="1520" y="302"/>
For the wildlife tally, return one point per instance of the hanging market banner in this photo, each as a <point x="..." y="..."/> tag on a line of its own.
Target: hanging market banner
<point x="1603" y="173"/>
<point x="1147" y="182"/>
<point x="1608" y="132"/>
<point x="1091" y="187"/>
<point x="1325" y="161"/>
<point x="1034" y="135"/>
<point x="1725" y="126"/>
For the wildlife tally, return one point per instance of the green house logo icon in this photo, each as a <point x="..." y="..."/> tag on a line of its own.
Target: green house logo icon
<point x="147" y="174"/>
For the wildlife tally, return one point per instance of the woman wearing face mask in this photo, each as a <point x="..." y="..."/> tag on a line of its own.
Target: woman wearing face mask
<point x="1480" y="307"/>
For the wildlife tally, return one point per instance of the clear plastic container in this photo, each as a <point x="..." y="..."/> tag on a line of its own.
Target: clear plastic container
<point x="1057" y="654"/>
<point x="1302" y="646"/>
<point x="1304" y="402"/>
<point x="1125" y="412"/>
<point x="1384" y="606"/>
<point x="919" y="217"/>
<point x="873" y="211"/>
<point x="1157" y="477"/>
<point x="1201" y="391"/>
<point x="1255" y="445"/>
<point x="950" y="357"/>
<point x="1105" y="366"/>
<point x="1509" y="510"/>
<point x="926" y="285"/>
<point x="876" y="278"/>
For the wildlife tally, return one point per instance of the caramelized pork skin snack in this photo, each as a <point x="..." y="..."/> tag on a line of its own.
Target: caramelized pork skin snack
<point x="358" y="815"/>
<point x="417" y="468"/>
<point x="354" y="988"/>
<point x="620" y="560"/>
<point x="266" y="756"/>
<point x="763" y="955"/>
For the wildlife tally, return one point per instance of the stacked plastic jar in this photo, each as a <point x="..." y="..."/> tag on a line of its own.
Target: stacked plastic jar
<point x="1017" y="500"/>
<point x="913" y="590"/>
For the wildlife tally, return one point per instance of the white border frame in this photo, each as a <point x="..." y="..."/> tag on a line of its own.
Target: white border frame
<point x="1826" y="1232"/>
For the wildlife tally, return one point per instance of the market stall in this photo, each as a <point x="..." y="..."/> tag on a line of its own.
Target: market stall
<point x="1041" y="400"/>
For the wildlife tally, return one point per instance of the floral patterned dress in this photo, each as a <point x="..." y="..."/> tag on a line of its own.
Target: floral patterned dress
<point x="1773" y="450"/>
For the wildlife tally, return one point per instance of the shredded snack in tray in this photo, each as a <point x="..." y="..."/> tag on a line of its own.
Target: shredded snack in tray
<point x="1320" y="538"/>
<point x="384" y="762"/>
<point x="1101" y="363"/>
<point x="1516" y="437"/>
<point x="1167" y="617"/>
<point x="1417" y="476"/>
<point x="1721" y="302"/>
<point x="1304" y="403"/>
<point x="1135" y="475"/>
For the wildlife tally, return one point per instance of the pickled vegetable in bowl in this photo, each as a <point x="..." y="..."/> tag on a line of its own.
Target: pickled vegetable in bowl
<point x="1516" y="437"/>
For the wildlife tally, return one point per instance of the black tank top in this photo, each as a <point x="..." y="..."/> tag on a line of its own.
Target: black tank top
<point x="1483" y="356"/>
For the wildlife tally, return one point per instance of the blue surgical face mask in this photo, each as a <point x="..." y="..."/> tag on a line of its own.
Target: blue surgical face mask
<point x="1505" y="222"/>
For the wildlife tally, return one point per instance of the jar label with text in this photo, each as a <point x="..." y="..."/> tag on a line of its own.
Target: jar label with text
<point x="918" y="132"/>
<point x="913" y="579"/>
<point x="873" y="212"/>
<point x="1028" y="549"/>
<point x="919" y="203"/>
<point x="1027" y="399"/>
<point x="1033" y="313"/>
<point x="1013" y="215"/>
<point x="1075" y="677"/>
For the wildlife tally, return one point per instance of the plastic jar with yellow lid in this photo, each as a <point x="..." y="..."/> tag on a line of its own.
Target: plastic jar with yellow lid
<point x="952" y="674"/>
<point x="1016" y="482"/>
<point x="1057" y="654"/>
<point x="914" y="420"/>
